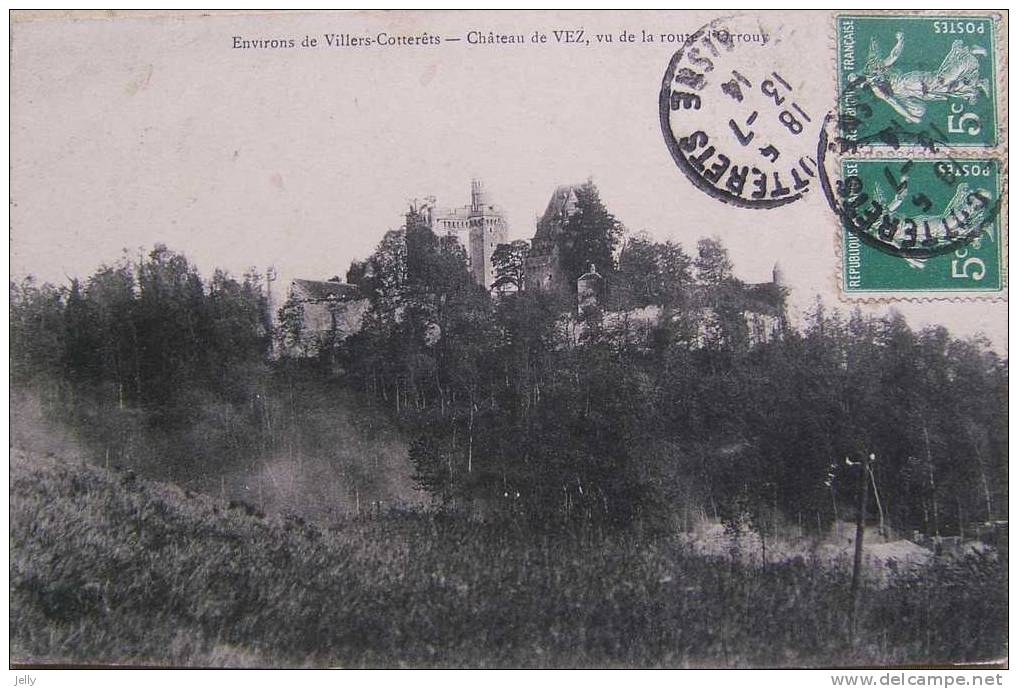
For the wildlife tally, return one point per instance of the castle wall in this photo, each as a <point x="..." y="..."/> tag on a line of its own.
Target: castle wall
<point x="542" y="272"/>
<point x="328" y="310"/>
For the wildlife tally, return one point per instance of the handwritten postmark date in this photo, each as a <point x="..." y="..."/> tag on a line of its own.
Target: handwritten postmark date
<point x="737" y="122"/>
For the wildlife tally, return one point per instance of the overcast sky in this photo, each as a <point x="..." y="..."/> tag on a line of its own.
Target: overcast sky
<point x="131" y="132"/>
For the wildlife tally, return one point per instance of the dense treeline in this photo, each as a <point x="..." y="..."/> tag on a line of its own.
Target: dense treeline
<point x="152" y="333"/>
<point x="146" y="357"/>
<point x="519" y="408"/>
<point x="157" y="369"/>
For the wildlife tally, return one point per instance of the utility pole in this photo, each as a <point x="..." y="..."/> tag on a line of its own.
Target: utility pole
<point x="880" y="506"/>
<point x="933" y="486"/>
<point x="860" y="528"/>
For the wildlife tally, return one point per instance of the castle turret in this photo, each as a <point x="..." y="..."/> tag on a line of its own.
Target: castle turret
<point x="478" y="196"/>
<point x="778" y="275"/>
<point x="588" y="289"/>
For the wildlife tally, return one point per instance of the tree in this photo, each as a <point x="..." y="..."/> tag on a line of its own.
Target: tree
<point x="652" y="273"/>
<point x="172" y="326"/>
<point x="713" y="265"/>
<point x="37" y="330"/>
<point x="237" y="324"/>
<point x="674" y="271"/>
<point x="111" y="291"/>
<point x="81" y="340"/>
<point x="388" y="267"/>
<point x="509" y="261"/>
<point x="590" y="236"/>
<point x="358" y="274"/>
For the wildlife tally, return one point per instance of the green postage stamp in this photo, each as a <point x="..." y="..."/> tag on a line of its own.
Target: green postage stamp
<point x="917" y="81"/>
<point x="926" y="225"/>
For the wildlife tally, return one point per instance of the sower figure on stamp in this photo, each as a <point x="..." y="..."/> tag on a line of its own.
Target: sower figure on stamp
<point x="908" y="92"/>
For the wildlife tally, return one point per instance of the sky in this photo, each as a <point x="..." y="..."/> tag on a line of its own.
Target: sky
<point x="136" y="131"/>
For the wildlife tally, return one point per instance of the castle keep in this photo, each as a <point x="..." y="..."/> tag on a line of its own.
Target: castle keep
<point x="543" y="269"/>
<point x="479" y="228"/>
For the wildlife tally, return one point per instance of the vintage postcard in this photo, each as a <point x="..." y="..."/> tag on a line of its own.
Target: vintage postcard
<point x="462" y="339"/>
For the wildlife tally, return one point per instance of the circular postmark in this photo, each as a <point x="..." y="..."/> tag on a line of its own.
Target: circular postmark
<point x="906" y="204"/>
<point x="736" y="123"/>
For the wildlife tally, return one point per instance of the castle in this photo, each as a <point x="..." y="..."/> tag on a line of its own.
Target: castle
<point x="334" y="310"/>
<point x="479" y="228"/>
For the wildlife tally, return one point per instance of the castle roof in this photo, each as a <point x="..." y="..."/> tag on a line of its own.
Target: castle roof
<point x="559" y="208"/>
<point x="327" y="290"/>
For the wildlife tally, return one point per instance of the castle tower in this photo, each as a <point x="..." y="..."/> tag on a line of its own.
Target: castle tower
<point x="781" y="283"/>
<point x="479" y="228"/>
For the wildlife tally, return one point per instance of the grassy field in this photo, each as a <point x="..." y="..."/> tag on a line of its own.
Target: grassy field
<point x="109" y="568"/>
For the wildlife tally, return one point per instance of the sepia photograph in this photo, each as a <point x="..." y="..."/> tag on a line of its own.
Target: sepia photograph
<point x="509" y="340"/>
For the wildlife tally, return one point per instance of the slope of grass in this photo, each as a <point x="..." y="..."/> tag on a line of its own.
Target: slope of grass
<point x="107" y="568"/>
